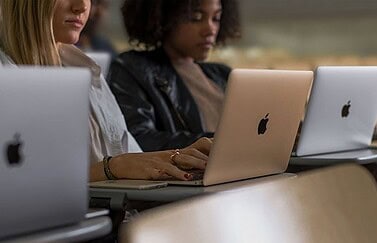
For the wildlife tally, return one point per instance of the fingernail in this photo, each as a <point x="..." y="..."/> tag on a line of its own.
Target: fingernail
<point x="188" y="176"/>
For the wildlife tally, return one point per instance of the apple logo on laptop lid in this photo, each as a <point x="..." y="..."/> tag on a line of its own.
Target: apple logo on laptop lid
<point x="262" y="127"/>
<point x="346" y="109"/>
<point x="12" y="151"/>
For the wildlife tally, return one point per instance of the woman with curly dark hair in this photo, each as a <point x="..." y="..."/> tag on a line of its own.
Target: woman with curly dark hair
<point x="168" y="95"/>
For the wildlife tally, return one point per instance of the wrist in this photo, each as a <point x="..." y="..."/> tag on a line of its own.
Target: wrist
<point x="107" y="169"/>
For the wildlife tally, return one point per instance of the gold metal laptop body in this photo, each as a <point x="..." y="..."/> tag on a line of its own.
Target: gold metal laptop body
<point x="259" y="122"/>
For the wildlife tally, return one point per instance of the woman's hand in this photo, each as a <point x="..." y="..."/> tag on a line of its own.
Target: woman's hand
<point x="162" y="165"/>
<point x="203" y="145"/>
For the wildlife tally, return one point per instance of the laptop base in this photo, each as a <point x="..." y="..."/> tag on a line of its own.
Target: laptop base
<point x="129" y="184"/>
<point x="360" y="156"/>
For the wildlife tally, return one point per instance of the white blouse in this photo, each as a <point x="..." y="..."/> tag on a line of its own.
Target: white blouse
<point x="108" y="130"/>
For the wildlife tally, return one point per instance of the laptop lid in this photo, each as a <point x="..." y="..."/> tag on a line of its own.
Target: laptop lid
<point x="260" y="118"/>
<point x="44" y="143"/>
<point x="342" y="111"/>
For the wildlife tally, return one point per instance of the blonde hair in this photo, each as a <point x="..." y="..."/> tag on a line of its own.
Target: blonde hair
<point x="27" y="33"/>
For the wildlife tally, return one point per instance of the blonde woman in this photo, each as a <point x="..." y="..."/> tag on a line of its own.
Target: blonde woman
<point x="42" y="33"/>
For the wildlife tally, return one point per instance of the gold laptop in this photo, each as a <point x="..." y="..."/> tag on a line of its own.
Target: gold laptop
<point x="258" y="126"/>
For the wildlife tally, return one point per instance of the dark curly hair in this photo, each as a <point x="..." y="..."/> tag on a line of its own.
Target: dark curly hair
<point x="148" y="21"/>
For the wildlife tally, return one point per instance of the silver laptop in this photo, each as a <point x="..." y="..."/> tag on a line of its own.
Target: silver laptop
<point x="44" y="148"/>
<point x="259" y="122"/>
<point x="340" y="117"/>
<point x="103" y="59"/>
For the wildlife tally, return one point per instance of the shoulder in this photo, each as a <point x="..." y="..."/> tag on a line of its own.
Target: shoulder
<point x="140" y="65"/>
<point x="71" y="56"/>
<point x="134" y="59"/>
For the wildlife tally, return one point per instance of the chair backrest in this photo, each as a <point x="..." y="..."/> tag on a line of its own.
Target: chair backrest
<point x="337" y="204"/>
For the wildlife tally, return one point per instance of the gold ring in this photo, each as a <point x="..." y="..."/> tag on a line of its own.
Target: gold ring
<point x="175" y="153"/>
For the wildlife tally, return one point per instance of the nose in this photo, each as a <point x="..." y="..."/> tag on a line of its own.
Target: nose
<point x="80" y="6"/>
<point x="210" y="28"/>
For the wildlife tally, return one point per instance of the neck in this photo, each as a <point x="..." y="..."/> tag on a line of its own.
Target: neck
<point x="177" y="57"/>
<point x="84" y="42"/>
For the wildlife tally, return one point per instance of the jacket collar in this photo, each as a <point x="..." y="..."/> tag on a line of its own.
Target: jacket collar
<point x="176" y="91"/>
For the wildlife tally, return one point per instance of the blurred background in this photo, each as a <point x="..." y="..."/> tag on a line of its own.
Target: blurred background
<point x="288" y="34"/>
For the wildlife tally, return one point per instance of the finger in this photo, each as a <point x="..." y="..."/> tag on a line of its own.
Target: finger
<point x="189" y="162"/>
<point x="196" y="153"/>
<point x="157" y="174"/>
<point x="203" y="145"/>
<point x="163" y="171"/>
<point x="177" y="173"/>
<point x="166" y="177"/>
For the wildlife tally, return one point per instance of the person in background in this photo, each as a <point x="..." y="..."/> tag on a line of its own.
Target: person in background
<point x="44" y="35"/>
<point x="168" y="95"/>
<point x="90" y="39"/>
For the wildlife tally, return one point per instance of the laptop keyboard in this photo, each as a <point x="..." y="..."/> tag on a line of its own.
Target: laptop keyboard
<point x="196" y="174"/>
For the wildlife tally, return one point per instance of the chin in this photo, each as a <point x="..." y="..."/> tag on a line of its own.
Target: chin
<point x="201" y="58"/>
<point x="71" y="38"/>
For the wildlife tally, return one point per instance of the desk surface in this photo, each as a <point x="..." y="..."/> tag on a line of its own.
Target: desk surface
<point x="86" y="230"/>
<point x="175" y="193"/>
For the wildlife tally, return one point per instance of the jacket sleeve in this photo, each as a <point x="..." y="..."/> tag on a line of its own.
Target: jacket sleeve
<point x="140" y="115"/>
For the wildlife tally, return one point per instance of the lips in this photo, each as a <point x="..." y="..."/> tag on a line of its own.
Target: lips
<point x="207" y="44"/>
<point x="75" y="22"/>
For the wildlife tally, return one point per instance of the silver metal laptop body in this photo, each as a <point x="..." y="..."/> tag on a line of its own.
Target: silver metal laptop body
<point x="44" y="148"/>
<point x="341" y="114"/>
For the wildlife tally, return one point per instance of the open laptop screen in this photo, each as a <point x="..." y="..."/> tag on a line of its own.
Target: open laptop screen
<point x="44" y="147"/>
<point x="342" y="111"/>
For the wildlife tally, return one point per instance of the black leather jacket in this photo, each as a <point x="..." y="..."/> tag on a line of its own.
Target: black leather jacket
<point x="159" y="109"/>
